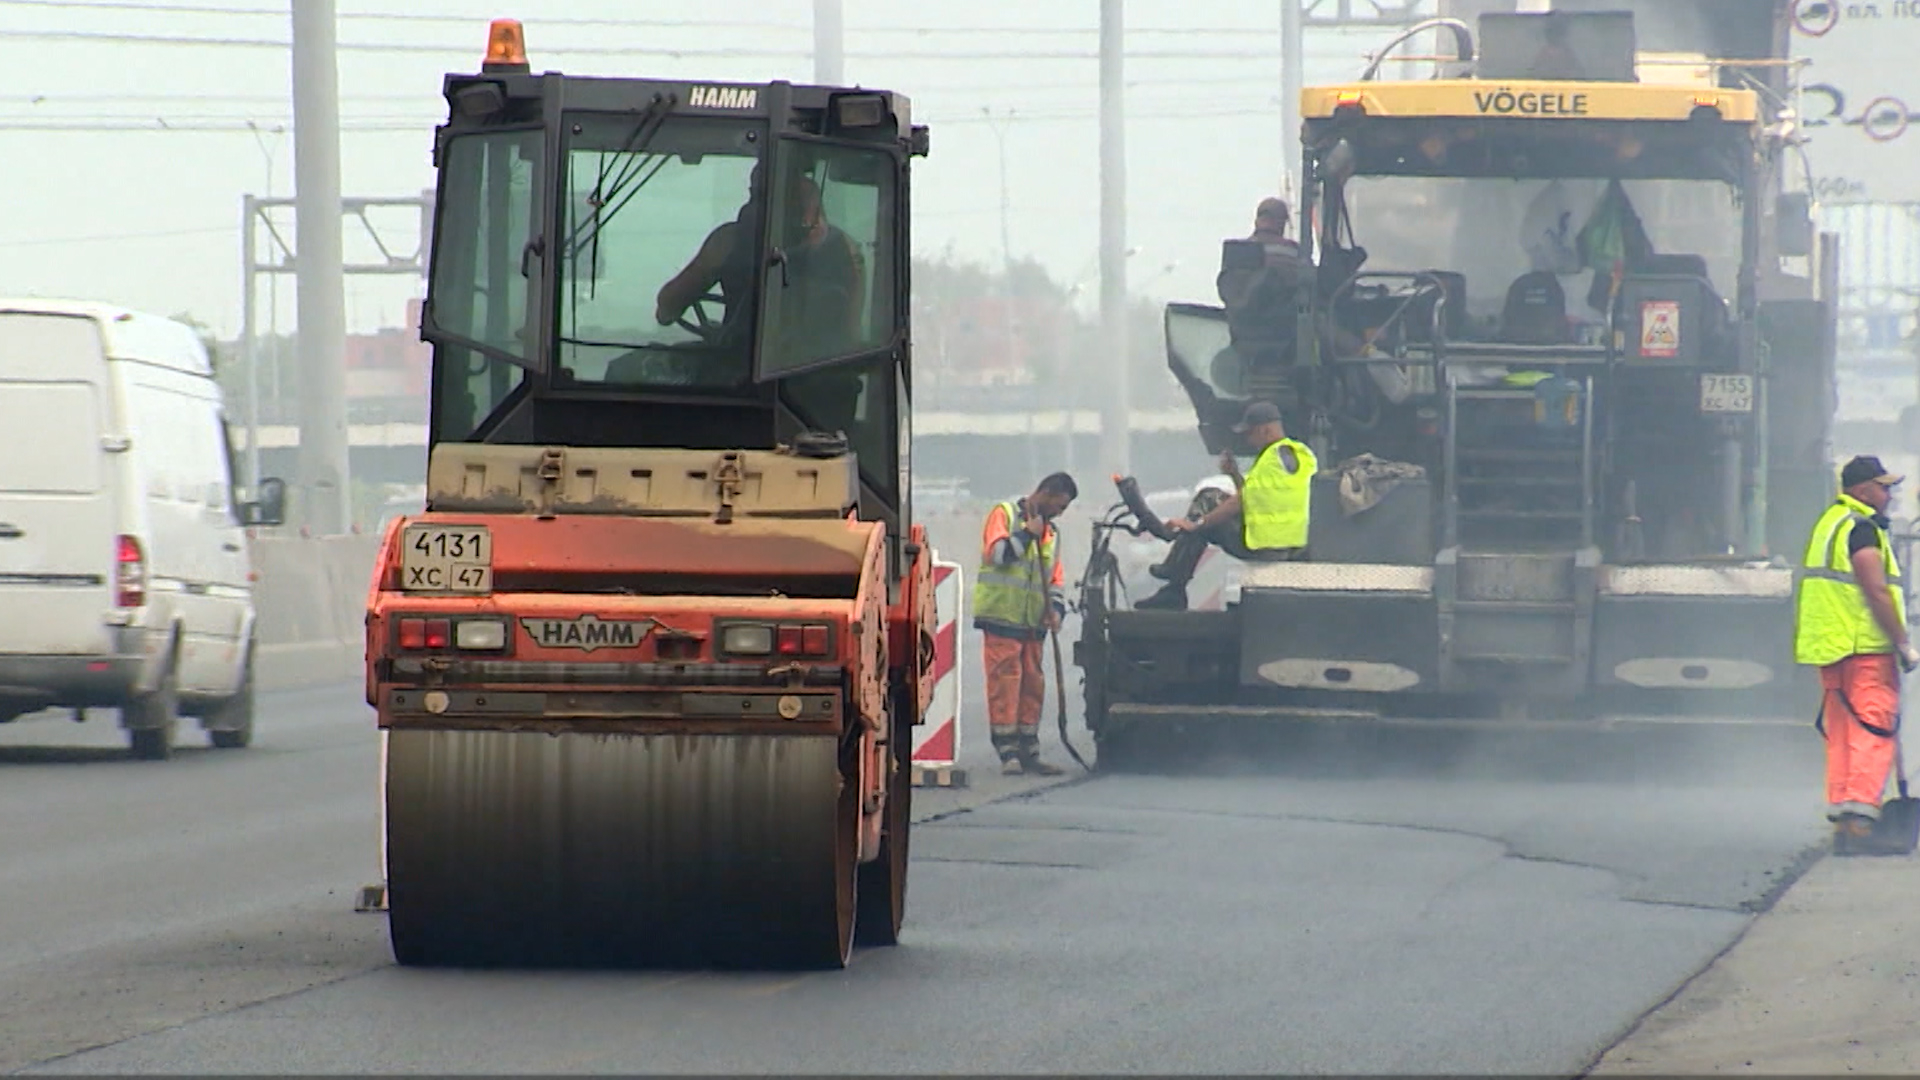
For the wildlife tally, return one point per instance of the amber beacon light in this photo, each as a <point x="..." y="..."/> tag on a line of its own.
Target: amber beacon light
<point x="506" y="46"/>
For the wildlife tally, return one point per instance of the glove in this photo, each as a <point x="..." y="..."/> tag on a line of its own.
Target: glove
<point x="1909" y="657"/>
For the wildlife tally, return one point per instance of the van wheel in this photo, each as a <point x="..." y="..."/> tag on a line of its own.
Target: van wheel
<point x="150" y="719"/>
<point x="230" y="727"/>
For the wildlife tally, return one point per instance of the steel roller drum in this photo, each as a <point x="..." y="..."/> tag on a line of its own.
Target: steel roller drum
<point x="530" y="848"/>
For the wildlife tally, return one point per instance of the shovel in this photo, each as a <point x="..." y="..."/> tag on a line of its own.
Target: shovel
<point x="1897" y="832"/>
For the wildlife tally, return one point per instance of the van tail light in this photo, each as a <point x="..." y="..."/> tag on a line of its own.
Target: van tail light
<point x="129" y="573"/>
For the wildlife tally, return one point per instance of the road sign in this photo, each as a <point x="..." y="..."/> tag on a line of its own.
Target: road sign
<point x="1858" y="93"/>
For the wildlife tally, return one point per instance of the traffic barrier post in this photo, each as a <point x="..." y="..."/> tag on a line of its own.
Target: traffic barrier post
<point x="936" y="743"/>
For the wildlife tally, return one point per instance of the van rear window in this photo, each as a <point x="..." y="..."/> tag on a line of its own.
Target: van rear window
<point x="52" y="433"/>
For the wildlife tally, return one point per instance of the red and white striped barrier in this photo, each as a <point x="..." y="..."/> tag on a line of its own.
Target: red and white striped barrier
<point x="936" y="743"/>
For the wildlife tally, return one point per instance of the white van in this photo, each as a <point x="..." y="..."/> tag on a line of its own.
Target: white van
<point x="125" y="580"/>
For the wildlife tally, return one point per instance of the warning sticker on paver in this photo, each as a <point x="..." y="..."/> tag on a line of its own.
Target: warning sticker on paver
<point x="1660" y="328"/>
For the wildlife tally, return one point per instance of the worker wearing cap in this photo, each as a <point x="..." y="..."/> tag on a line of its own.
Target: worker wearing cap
<point x="1265" y="522"/>
<point x="1850" y="621"/>
<point x="1020" y="596"/>
<point x="1260" y="299"/>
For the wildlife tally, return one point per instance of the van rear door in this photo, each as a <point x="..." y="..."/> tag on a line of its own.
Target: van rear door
<point x="57" y="516"/>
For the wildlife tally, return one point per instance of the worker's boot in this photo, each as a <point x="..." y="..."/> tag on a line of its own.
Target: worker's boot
<point x="1853" y="835"/>
<point x="1183" y="558"/>
<point x="1150" y="522"/>
<point x="1007" y="745"/>
<point x="1030" y="757"/>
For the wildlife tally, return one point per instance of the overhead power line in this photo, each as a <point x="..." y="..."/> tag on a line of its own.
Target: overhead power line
<point x="207" y="125"/>
<point x="974" y="55"/>
<point x="436" y="18"/>
<point x="100" y="238"/>
<point x="919" y="91"/>
<point x="396" y="16"/>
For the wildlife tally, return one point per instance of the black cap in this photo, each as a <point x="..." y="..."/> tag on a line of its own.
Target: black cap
<point x="1863" y="469"/>
<point x="1260" y="412"/>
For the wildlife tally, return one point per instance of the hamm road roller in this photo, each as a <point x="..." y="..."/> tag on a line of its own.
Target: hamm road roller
<point x="648" y="662"/>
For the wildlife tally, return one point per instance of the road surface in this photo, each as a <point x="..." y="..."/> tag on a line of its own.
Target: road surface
<point x="1374" y="902"/>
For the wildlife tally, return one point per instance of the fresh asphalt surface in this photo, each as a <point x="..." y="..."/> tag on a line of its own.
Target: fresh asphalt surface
<point x="1363" y="902"/>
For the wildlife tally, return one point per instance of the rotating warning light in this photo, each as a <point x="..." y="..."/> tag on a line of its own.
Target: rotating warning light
<point x="506" y="46"/>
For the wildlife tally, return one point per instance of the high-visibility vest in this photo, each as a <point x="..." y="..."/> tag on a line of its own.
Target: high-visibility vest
<point x="1012" y="599"/>
<point x="1831" y="618"/>
<point x="1274" y="502"/>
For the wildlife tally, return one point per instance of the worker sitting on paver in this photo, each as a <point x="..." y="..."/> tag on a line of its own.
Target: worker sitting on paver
<point x="1265" y="522"/>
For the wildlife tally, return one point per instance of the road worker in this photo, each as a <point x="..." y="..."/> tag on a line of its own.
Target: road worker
<point x="1019" y="596"/>
<point x="1258" y="282"/>
<point x="1265" y="522"/>
<point x="1850" y="621"/>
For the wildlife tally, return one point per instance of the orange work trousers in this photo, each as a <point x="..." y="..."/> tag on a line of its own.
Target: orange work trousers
<point x="1016" y="693"/>
<point x="1859" y="761"/>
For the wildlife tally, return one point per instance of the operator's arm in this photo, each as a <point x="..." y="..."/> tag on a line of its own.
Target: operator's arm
<point x="1870" y="571"/>
<point x="857" y="291"/>
<point x="1227" y="508"/>
<point x="699" y="276"/>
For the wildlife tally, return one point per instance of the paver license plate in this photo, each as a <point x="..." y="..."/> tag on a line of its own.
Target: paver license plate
<point x="1726" y="393"/>
<point x="446" y="558"/>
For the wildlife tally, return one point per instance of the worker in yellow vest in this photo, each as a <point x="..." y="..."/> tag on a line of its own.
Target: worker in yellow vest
<point x="1265" y="522"/>
<point x="1850" y="621"/>
<point x="1019" y="597"/>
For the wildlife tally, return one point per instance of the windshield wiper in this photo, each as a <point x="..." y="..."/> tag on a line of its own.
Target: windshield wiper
<point x="628" y="182"/>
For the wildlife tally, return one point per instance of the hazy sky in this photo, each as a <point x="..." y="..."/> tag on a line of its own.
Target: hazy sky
<point x="151" y="217"/>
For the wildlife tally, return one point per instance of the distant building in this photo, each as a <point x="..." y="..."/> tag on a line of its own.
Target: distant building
<point x="391" y="362"/>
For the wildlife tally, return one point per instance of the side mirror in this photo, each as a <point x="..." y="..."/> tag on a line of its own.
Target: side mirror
<point x="1793" y="224"/>
<point x="269" y="506"/>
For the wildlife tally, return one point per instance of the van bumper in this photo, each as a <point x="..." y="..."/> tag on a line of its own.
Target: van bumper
<point x="31" y="681"/>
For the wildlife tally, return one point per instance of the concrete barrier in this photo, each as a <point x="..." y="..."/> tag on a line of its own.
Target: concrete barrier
<point x="310" y="601"/>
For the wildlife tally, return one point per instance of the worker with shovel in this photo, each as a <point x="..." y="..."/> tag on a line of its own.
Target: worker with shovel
<point x="1019" y="597"/>
<point x="1850" y="621"/>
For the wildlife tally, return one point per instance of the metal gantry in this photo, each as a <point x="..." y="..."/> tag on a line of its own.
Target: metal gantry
<point x="1878" y="334"/>
<point x="260" y="229"/>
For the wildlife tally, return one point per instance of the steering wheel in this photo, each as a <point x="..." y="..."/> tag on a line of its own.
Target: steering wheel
<point x="704" y="327"/>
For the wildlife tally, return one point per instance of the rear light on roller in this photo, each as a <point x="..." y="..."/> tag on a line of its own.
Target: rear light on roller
<point x="417" y="633"/>
<point x="480" y="635"/>
<point x="129" y="573"/>
<point x="790" y="641"/>
<point x="813" y="640"/>
<point x="747" y="639"/>
<point x="804" y="640"/>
